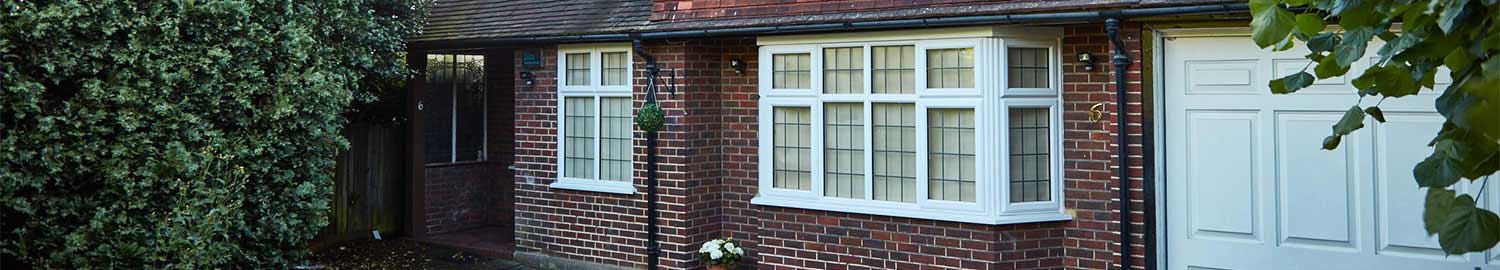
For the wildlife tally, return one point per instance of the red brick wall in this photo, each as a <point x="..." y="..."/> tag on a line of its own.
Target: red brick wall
<point x="459" y="197"/>
<point x="709" y="174"/>
<point x="681" y="10"/>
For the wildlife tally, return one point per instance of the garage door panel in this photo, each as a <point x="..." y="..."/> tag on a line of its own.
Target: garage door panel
<point x="1317" y="208"/>
<point x="1401" y="144"/>
<point x="1222" y="172"/>
<point x="1248" y="186"/>
<point x="1222" y="77"/>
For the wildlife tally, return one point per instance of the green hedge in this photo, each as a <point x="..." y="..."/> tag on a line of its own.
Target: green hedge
<point x="181" y="134"/>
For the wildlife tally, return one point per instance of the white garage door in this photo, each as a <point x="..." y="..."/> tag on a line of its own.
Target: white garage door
<point x="1247" y="186"/>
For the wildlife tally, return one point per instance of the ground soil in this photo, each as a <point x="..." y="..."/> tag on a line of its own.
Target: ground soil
<point x="400" y="254"/>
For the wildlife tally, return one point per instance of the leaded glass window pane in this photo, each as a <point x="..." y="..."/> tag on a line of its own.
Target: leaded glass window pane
<point x="791" y="71"/>
<point x="950" y="68"/>
<point x="895" y="150"/>
<point x="792" y="143"/>
<point x="951" y="155"/>
<point x="894" y="69"/>
<point x="844" y="70"/>
<point x="577" y="68"/>
<point x="844" y="150"/>
<point x="615" y="68"/>
<point x="1030" y="155"/>
<point x="1028" y="68"/>
<point x="614" y="142"/>
<point x="578" y="137"/>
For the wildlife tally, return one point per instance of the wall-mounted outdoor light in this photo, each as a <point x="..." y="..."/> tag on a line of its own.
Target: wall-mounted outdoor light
<point x="737" y="65"/>
<point x="528" y="78"/>
<point x="1087" y="60"/>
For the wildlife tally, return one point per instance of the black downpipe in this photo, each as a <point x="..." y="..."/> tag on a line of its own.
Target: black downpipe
<point x="1121" y="61"/>
<point x="653" y="249"/>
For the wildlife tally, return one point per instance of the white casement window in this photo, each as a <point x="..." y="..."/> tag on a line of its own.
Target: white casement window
<point x="595" y="132"/>
<point x="946" y="128"/>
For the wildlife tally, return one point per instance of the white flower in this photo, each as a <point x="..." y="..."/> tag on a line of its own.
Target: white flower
<point x="739" y="251"/>
<point x="728" y="245"/>
<point x="715" y="254"/>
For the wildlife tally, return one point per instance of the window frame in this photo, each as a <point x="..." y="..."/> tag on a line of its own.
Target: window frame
<point x="1054" y="67"/>
<point x="598" y="92"/>
<point x="1054" y="123"/>
<point x="453" y="115"/>
<point x="765" y="72"/>
<point x="988" y="98"/>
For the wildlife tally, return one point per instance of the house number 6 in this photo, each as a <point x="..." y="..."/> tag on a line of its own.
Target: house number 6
<point x="1096" y="113"/>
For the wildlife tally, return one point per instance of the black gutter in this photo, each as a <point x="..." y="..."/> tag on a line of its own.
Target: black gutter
<point x="1121" y="62"/>
<point x="849" y="26"/>
<point x="653" y="249"/>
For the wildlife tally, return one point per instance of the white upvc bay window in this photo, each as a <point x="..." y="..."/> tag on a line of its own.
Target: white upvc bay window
<point x="595" y="128"/>
<point x="949" y="124"/>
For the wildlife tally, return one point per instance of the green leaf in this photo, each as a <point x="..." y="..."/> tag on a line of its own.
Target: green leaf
<point x="1292" y="83"/>
<point x="1310" y="24"/>
<point x="1396" y="80"/>
<point x="1375" y="112"/>
<point x="1437" y="171"/>
<point x="1286" y="44"/>
<point x="1453" y="12"/>
<point x="1323" y="42"/>
<point x="1329" y="68"/>
<point x="1353" y="45"/>
<point x="1367" y="79"/>
<point x="1353" y="119"/>
<point x="1270" y="23"/>
<point x="1435" y="211"/>
<point x="1398" y="45"/>
<point x="1468" y="228"/>
<point x="1278" y="86"/>
<point x="1332" y="142"/>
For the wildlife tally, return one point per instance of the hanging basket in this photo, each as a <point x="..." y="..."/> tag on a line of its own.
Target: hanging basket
<point x="650" y="117"/>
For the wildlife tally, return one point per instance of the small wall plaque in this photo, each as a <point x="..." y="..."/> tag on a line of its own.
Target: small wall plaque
<point x="531" y="59"/>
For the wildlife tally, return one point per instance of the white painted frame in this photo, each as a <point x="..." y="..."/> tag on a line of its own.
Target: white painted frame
<point x="1054" y="130"/>
<point x="815" y="69"/>
<point x="1054" y="67"/>
<point x="981" y="66"/>
<point x="597" y="91"/>
<point x="991" y="202"/>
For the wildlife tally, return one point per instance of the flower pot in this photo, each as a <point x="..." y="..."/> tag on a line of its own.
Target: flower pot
<point x="718" y="267"/>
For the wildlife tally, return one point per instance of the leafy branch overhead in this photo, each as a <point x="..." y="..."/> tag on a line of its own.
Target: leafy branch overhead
<point x="1418" y="40"/>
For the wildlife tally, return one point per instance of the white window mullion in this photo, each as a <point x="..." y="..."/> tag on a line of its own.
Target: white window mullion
<point x="817" y="148"/>
<point x="869" y="143"/>
<point x="598" y="132"/>
<point x="921" y="155"/>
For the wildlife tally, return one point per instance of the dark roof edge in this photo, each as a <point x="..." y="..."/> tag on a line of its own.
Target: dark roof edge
<point x="827" y="27"/>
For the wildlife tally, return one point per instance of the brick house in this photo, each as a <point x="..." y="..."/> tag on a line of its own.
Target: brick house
<point x="902" y="135"/>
